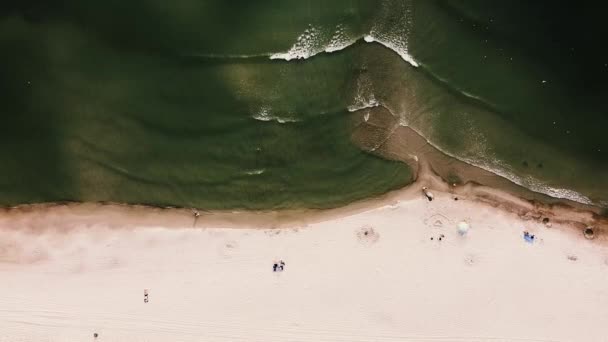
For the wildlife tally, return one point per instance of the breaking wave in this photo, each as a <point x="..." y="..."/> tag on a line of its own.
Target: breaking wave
<point x="316" y="40"/>
<point x="394" y="46"/>
<point x="529" y="182"/>
<point x="304" y="48"/>
<point x="499" y="168"/>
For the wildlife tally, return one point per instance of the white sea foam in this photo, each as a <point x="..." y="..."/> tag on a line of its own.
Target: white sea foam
<point x="299" y="51"/>
<point x="340" y="40"/>
<point x="255" y="172"/>
<point x="264" y="114"/>
<point x="316" y="40"/>
<point x="368" y="39"/>
<point x="532" y="183"/>
<point x="499" y="168"/>
<point x="364" y="96"/>
<point x="363" y="105"/>
<point x="312" y="42"/>
<point x="395" y="47"/>
<point x="365" y="99"/>
<point x="394" y="37"/>
<point x="307" y="45"/>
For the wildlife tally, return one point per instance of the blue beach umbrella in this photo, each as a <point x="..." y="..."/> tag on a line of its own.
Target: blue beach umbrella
<point x="463" y="228"/>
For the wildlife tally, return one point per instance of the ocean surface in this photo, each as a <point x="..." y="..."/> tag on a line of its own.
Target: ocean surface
<point x="250" y="104"/>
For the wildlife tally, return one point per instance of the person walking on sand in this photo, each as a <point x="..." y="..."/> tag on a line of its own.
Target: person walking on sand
<point x="429" y="195"/>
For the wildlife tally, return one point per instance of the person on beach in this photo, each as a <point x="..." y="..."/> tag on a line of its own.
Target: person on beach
<point x="429" y="195"/>
<point x="278" y="267"/>
<point x="528" y="237"/>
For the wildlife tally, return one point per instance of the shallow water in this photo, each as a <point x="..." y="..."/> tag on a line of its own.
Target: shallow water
<point x="240" y="104"/>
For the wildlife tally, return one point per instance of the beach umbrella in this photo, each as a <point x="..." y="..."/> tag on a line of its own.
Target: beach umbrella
<point x="463" y="227"/>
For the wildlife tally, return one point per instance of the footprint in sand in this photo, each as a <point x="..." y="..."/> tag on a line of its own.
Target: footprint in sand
<point x="470" y="259"/>
<point x="272" y="232"/>
<point x="437" y="221"/>
<point x="367" y="235"/>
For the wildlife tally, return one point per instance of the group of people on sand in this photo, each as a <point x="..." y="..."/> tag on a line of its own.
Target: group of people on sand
<point x="528" y="237"/>
<point x="278" y="267"/>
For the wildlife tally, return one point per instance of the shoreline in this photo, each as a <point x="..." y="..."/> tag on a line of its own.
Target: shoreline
<point x="430" y="168"/>
<point x="73" y="214"/>
<point x="381" y="134"/>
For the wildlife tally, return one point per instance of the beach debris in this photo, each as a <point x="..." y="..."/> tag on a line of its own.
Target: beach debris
<point x="572" y="257"/>
<point x="589" y="233"/>
<point x="469" y="259"/>
<point x="95" y="335"/>
<point x="272" y="231"/>
<point x="278" y="266"/>
<point x="196" y="215"/>
<point x="463" y="228"/>
<point x="146" y="299"/>
<point x="528" y="237"/>
<point x="367" y="235"/>
<point x="429" y="195"/>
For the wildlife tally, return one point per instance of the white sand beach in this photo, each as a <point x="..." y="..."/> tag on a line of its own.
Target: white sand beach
<point x="66" y="276"/>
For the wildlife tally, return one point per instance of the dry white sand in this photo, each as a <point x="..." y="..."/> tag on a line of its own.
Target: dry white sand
<point x="393" y="284"/>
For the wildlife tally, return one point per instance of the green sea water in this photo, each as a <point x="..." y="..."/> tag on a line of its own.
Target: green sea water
<point x="248" y="104"/>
